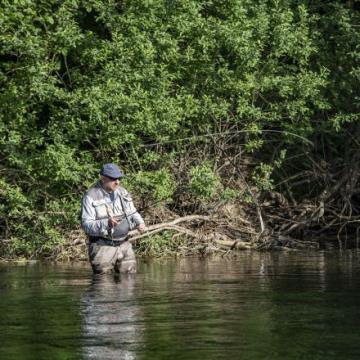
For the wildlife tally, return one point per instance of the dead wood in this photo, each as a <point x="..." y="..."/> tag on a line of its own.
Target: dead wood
<point x="171" y="225"/>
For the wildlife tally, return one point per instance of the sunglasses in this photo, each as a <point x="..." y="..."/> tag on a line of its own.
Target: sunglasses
<point x="113" y="179"/>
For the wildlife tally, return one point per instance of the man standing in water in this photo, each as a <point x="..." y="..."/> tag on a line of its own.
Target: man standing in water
<point x="107" y="215"/>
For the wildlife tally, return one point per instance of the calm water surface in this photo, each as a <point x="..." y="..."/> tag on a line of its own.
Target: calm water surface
<point x="254" y="306"/>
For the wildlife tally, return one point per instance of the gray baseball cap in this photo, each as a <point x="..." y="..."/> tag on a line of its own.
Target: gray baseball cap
<point x="111" y="170"/>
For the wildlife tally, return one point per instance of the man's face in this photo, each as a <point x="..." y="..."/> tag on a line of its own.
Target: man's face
<point x="110" y="184"/>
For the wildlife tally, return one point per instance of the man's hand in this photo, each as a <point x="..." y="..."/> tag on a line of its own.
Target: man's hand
<point x="112" y="223"/>
<point x="141" y="227"/>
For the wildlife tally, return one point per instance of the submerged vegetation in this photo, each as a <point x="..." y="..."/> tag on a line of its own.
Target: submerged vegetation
<point x="246" y="112"/>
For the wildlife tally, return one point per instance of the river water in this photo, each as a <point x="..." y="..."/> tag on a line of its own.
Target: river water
<point x="254" y="306"/>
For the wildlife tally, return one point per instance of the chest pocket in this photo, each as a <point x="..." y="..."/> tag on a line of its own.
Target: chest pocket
<point x="128" y="204"/>
<point x="101" y="208"/>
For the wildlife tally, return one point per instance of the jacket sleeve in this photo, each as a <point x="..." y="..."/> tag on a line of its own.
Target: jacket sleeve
<point x="130" y="208"/>
<point x="90" y="225"/>
<point x="137" y="218"/>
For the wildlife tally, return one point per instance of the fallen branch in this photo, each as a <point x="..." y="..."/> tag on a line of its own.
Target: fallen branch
<point x="229" y="244"/>
<point x="171" y="225"/>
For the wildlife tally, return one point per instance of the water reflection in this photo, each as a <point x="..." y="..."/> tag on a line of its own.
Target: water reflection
<point x="111" y="318"/>
<point x="275" y="306"/>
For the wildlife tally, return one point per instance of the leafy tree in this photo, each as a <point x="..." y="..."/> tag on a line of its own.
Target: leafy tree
<point x="86" y="82"/>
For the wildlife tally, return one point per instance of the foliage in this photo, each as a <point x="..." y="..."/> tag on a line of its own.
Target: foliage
<point x="157" y="185"/>
<point x="87" y="82"/>
<point x="230" y="194"/>
<point x="203" y="182"/>
<point x="160" y="244"/>
<point x="262" y="177"/>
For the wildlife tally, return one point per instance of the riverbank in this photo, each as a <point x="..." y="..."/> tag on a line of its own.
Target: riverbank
<point x="230" y="229"/>
<point x="210" y="110"/>
<point x="166" y="247"/>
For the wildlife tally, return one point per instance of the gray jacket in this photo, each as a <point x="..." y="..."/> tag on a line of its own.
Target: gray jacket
<point x="98" y="205"/>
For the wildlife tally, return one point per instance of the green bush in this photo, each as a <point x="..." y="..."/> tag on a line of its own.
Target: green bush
<point x="158" y="185"/>
<point x="87" y="82"/>
<point x="160" y="244"/>
<point x="203" y="183"/>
